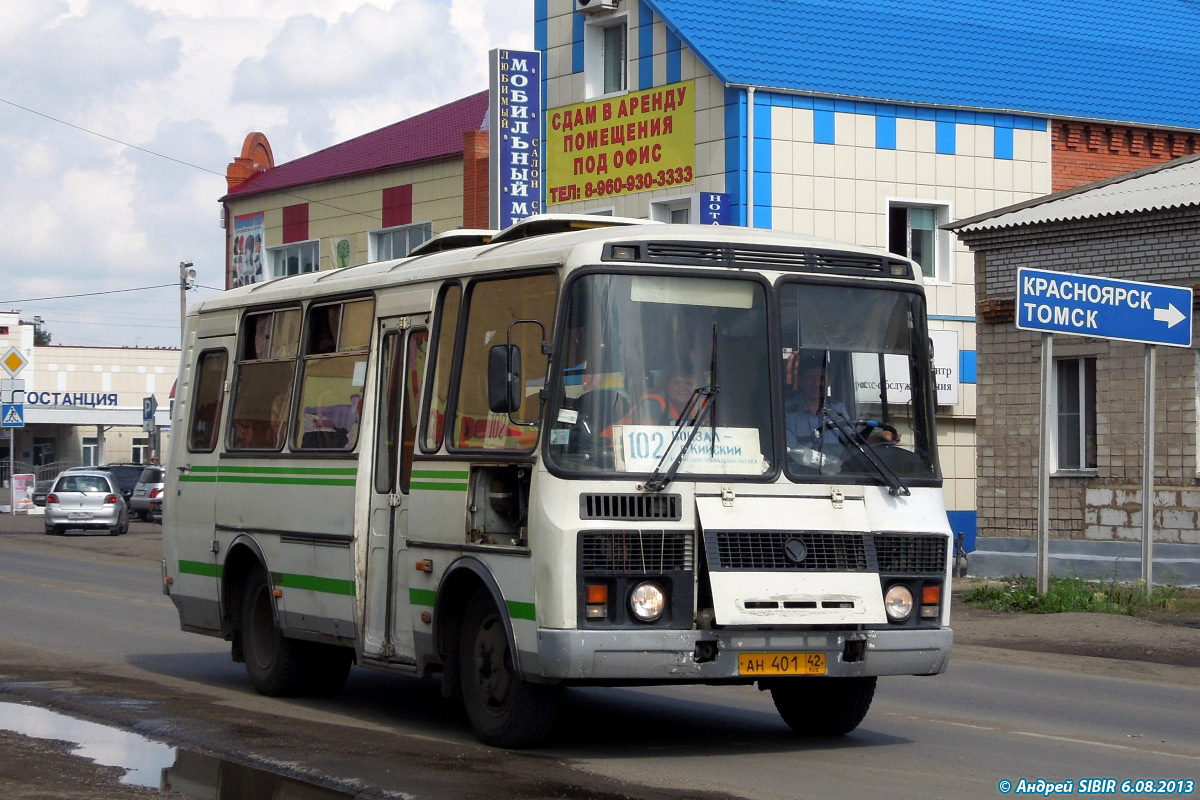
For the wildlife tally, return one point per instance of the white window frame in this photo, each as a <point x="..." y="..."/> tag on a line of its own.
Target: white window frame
<point x="276" y="254"/>
<point x="595" y="57"/>
<point x="374" y="239"/>
<point x="661" y="210"/>
<point x="1085" y="409"/>
<point x="140" y="449"/>
<point x="89" y="450"/>
<point x="943" y="268"/>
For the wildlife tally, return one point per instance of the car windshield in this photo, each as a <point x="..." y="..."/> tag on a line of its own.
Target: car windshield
<point x="151" y="475"/>
<point x="851" y="356"/>
<point x="642" y="351"/>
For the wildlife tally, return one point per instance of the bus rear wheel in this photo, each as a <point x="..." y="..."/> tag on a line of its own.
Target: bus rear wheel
<point x="277" y="665"/>
<point x="823" y="706"/>
<point x="504" y="709"/>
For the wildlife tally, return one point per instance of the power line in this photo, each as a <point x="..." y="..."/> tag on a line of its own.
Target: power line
<point x="88" y="294"/>
<point x="176" y="160"/>
<point x="109" y="138"/>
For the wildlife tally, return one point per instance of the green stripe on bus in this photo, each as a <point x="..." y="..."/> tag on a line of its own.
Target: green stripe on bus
<point x="199" y="568"/>
<point x="197" y="478"/>
<point x="422" y="597"/>
<point x="520" y="610"/>
<point x="439" y="473"/>
<point x="440" y="487"/>
<point x="297" y="480"/>
<point x="292" y="470"/>
<point x="427" y="597"/>
<point x="313" y="583"/>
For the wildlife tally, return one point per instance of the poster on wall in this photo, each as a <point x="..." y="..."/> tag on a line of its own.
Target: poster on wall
<point x="633" y="143"/>
<point x="246" y="266"/>
<point x="341" y="253"/>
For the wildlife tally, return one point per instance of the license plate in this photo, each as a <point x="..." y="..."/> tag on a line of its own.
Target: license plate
<point x="755" y="664"/>
<point x="79" y="515"/>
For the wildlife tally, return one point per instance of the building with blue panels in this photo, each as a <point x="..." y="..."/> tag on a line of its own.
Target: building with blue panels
<point x="874" y="123"/>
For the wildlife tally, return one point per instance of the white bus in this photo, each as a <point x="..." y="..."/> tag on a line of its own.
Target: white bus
<point x="583" y="452"/>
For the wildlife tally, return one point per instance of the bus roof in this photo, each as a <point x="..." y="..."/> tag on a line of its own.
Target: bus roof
<point x="561" y="244"/>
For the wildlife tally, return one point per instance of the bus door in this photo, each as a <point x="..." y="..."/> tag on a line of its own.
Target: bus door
<point x="195" y="462"/>
<point x="388" y="623"/>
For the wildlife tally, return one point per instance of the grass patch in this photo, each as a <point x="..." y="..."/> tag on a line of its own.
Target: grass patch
<point x="1074" y="594"/>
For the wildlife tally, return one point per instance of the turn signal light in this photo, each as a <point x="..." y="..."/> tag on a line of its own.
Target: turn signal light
<point x="597" y="601"/>
<point x="112" y="498"/>
<point x="931" y="595"/>
<point x="51" y="498"/>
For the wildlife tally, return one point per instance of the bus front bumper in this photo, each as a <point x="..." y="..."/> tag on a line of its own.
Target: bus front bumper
<point x="666" y="655"/>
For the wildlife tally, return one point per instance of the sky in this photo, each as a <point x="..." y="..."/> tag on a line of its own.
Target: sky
<point x="118" y="119"/>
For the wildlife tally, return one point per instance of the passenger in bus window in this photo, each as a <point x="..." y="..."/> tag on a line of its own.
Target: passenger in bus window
<point x="662" y="405"/>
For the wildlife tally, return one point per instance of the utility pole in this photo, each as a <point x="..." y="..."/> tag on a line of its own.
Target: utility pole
<point x="187" y="279"/>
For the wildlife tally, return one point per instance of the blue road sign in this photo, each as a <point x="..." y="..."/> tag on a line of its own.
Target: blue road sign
<point x="1084" y="305"/>
<point x="12" y="415"/>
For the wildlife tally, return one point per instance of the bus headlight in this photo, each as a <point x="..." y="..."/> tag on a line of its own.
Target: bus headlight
<point x="647" y="602"/>
<point x="898" y="602"/>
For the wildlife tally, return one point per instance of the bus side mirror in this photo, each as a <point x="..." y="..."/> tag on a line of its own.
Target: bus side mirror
<point x="505" y="388"/>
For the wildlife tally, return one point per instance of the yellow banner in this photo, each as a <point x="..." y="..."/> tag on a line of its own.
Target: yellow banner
<point x="633" y="143"/>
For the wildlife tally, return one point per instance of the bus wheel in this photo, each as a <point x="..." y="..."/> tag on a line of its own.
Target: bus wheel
<point x="274" y="662"/>
<point x="823" y="706"/>
<point x="504" y="710"/>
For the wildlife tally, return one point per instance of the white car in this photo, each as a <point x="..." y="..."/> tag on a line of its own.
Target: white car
<point x="86" y="499"/>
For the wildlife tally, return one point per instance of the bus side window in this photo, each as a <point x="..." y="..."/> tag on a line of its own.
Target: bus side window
<point x="265" y="373"/>
<point x="494" y="304"/>
<point x="333" y="376"/>
<point x="207" y="398"/>
<point x="445" y="335"/>
<point x="414" y="369"/>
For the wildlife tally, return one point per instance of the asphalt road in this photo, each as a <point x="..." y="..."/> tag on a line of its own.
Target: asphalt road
<point x="85" y="629"/>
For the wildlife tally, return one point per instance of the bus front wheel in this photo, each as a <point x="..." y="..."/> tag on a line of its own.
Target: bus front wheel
<point x="504" y="710"/>
<point x="823" y="706"/>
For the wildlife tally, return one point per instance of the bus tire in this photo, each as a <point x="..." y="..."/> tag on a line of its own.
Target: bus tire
<point x="505" y="710"/>
<point x="327" y="668"/>
<point x="274" y="662"/>
<point x="823" y="706"/>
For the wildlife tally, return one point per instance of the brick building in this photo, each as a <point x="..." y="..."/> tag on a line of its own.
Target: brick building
<point x="366" y="199"/>
<point x="1140" y="226"/>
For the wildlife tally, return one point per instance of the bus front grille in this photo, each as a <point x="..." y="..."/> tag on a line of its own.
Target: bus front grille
<point x="906" y="554"/>
<point x="640" y="552"/>
<point x="823" y="551"/>
<point x="604" y="505"/>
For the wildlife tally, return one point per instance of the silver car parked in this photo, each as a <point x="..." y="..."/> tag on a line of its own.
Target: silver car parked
<point x="88" y="499"/>
<point x="149" y="488"/>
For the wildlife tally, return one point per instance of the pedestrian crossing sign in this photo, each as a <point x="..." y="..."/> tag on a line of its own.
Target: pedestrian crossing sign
<point x="12" y="415"/>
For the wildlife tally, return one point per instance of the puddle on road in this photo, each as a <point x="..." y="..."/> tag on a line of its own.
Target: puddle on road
<point x="155" y="764"/>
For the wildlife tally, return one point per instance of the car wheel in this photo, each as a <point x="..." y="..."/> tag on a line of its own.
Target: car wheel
<point x="51" y="530"/>
<point x="144" y="516"/>
<point x="504" y="709"/>
<point x="115" y="530"/>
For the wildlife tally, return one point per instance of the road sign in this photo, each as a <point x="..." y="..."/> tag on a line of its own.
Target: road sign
<point x="1108" y="308"/>
<point x="12" y="391"/>
<point x="12" y="415"/>
<point x="149" y="406"/>
<point x="14" y="361"/>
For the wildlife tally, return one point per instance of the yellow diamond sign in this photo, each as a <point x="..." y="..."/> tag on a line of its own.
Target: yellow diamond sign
<point x="14" y="361"/>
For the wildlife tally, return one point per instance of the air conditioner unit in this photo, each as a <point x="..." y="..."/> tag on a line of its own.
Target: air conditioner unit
<point x="592" y="6"/>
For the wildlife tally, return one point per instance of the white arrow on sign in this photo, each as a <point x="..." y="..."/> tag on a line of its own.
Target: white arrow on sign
<point x="1170" y="315"/>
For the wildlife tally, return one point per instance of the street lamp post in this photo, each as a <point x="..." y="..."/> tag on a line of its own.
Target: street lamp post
<point x="187" y="279"/>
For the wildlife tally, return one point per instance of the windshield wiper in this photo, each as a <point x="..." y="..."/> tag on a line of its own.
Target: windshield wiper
<point x="846" y="429"/>
<point x="699" y="405"/>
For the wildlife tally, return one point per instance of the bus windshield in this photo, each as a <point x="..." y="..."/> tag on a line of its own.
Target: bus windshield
<point x="638" y="350"/>
<point x="851" y="357"/>
<point x="645" y="356"/>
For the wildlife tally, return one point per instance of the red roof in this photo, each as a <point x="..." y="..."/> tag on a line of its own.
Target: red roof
<point x="429" y="136"/>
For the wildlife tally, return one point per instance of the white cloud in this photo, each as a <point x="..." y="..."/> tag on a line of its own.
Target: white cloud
<point x="189" y="79"/>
